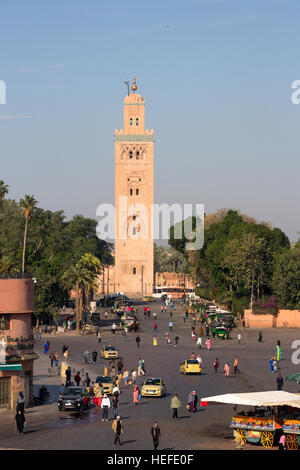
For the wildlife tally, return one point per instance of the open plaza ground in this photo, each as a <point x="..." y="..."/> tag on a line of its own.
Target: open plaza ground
<point x="208" y="428"/>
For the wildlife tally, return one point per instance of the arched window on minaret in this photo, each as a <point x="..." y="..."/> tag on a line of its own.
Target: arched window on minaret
<point x="131" y="122"/>
<point x="137" y="155"/>
<point x="137" y="121"/>
<point x="130" y="154"/>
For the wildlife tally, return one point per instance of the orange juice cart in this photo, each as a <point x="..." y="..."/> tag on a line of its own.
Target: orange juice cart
<point x="270" y="416"/>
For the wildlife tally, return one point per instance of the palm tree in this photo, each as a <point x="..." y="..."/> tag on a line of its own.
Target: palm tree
<point x="6" y="266"/>
<point x="3" y="190"/>
<point x="78" y="277"/>
<point x="93" y="264"/>
<point x="27" y="205"/>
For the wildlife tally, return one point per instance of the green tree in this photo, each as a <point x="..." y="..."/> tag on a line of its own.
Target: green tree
<point x="78" y="277"/>
<point x="244" y="263"/>
<point x="286" y="278"/>
<point x="6" y="266"/>
<point x="27" y="205"/>
<point x="3" y="190"/>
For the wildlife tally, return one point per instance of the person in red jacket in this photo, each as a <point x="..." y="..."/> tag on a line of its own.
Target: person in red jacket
<point x="216" y="364"/>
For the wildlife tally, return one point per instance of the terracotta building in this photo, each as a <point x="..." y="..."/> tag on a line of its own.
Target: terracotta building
<point x="134" y="164"/>
<point x="16" y="340"/>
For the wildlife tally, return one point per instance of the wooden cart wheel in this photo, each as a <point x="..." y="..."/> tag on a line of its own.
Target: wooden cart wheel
<point x="240" y="437"/>
<point x="291" y="441"/>
<point x="267" y="438"/>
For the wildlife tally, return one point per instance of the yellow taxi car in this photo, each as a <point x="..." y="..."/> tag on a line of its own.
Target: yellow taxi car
<point x="153" y="388"/>
<point x="190" y="366"/>
<point x="106" y="382"/>
<point x="109" y="352"/>
<point x="147" y="298"/>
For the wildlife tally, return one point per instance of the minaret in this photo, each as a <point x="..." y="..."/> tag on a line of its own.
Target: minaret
<point x="134" y="164"/>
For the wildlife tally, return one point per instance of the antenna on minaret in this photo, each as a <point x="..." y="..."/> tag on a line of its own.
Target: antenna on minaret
<point x="127" y="83"/>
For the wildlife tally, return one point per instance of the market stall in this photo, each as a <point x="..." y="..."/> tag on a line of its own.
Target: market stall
<point x="274" y="413"/>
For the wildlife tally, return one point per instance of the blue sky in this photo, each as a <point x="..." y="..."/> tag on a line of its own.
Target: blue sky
<point x="216" y="76"/>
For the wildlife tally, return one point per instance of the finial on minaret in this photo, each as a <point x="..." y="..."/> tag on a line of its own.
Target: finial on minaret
<point x="133" y="86"/>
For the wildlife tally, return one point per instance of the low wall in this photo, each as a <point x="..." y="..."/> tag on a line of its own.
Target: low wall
<point x="284" y="319"/>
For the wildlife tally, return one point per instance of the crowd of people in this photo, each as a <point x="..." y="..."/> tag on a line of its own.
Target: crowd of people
<point x="128" y="377"/>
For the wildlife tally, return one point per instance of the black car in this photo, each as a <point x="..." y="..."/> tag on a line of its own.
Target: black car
<point x="71" y="399"/>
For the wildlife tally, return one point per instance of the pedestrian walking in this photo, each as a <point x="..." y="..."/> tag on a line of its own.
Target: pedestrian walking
<point x="171" y="325"/>
<point x="56" y="359"/>
<point x="105" y="405"/>
<point x="156" y="434"/>
<point x="117" y="427"/>
<point x="198" y="358"/>
<point x="51" y="359"/>
<point x="136" y="393"/>
<point x="154" y="341"/>
<point x="154" y="315"/>
<point x="199" y="342"/>
<point x="239" y="337"/>
<point x="278" y="353"/>
<point x="235" y="365"/>
<point x="167" y="336"/>
<point x="97" y="392"/>
<point x="143" y="367"/>
<point x="120" y="364"/>
<point x="87" y="380"/>
<point x="77" y="378"/>
<point x="175" y="405"/>
<point x="20" y="402"/>
<point x="176" y="341"/>
<point x="260" y="337"/>
<point x="207" y="330"/>
<point x="133" y="376"/>
<point x="216" y="364"/>
<point x="138" y="340"/>
<point x="113" y="328"/>
<point x="94" y="355"/>
<point x="20" y="421"/>
<point x="115" y="404"/>
<point x="190" y="403"/>
<point x="119" y="380"/>
<point x="195" y="402"/>
<point x="68" y="376"/>
<point x="85" y="356"/>
<point x="124" y="335"/>
<point x="155" y="327"/>
<point x="271" y="362"/>
<point x="279" y="381"/>
<point x="126" y="376"/>
<point x="226" y="369"/>
<point x="208" y="344"/>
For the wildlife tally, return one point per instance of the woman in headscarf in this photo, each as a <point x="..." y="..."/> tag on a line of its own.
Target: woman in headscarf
<point x="227" y="369"/>
<point x="136" y="394"/>
<point x="20" y="402"/>
<point x="191" y="399"/>
<point x="20" y="421"/>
